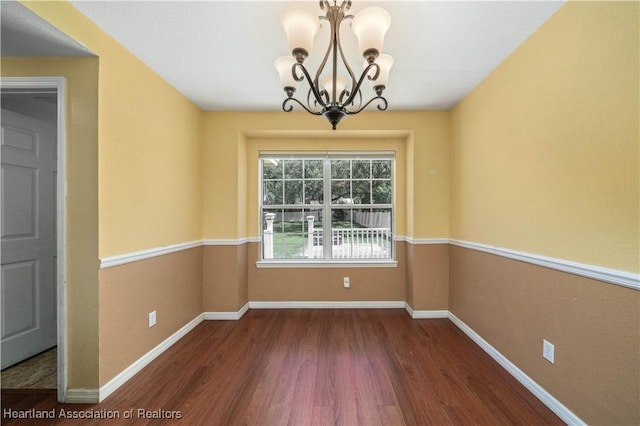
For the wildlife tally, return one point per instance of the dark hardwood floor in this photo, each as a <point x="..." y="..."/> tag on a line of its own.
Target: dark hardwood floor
<point x="307" y="367"/>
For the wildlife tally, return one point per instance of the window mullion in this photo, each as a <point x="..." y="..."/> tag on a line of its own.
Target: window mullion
<point x="327" y="239"/>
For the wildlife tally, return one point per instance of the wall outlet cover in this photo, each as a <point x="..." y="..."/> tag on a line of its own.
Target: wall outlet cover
<point x="548" y="350"/>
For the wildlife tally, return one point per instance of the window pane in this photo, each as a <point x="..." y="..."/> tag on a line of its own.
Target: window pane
<point x="293" y="169"/>
<point x="340" y="215"/>
<point x="382" y="192"/>
<point x="292" y="192"/>
<point x="341" y="192"/>
<point x="381" y="169"/>
<point x="313" y="169"/>
<point x="361" y="169"/>
<point x="313" y="192"/>
<point x="292" y="234"/>
<point x="271" y="169"/>
<point x="361" y="234"/>
<point x="272" y="193"/>
<point x="362" y="192"/>
<point x="295" y="230"/>
<point x="340" y="169"/>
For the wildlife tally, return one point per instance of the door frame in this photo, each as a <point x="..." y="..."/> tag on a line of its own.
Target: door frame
<point x="36" y="84"/>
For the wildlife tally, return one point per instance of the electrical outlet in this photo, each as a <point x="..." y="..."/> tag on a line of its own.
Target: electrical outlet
<point x="152" y="318"/>
<point x="548" y="351"/>
<point x="346" y="282"/>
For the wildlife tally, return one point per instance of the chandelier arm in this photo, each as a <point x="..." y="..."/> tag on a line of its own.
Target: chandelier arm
<point x="331" y="20"/>
<point x="286" y="101"/>
<point x="362" y="77"/>
<point x="378" y="98"/>
<point x="352" y="102"/>
<point x="313" y="87"/>
<point x="360" y="98"/>
<point x="322" y="93"/>
<point x="344" y="93"/>
<point x="344" y="59"/>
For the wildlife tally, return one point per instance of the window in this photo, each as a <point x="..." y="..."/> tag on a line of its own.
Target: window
<point x="326" y="207"/>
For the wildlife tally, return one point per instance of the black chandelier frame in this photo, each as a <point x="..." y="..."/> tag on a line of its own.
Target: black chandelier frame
<point x="335" y="106"/>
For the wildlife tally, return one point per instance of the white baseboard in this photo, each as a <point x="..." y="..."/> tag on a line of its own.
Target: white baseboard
<point x="82" y="396"/>
<point x="425" y="314"/>
<point x="134" y="368"/>
<point x="328" y="305"/>
<point x="547" y="399"/>
<point x="226" y="316"/>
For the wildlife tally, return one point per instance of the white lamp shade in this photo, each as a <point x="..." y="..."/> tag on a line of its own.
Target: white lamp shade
<point x="370" y="25"/>
<point x="385" y="62"/>
<point x="301" y="27"/>
<point x="341" y="83"/>
<point x="284" y="66"/>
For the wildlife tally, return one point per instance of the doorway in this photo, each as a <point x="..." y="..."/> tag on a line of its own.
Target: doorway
<point x="33" y="218"/>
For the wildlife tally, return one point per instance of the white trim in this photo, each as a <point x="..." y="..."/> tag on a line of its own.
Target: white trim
<point x="230" y="241"/>
<point x="292" y="264"/>
<point x="409" y="309"/>
<point x="420" y="241"/>
<point x="613" y="276"/>
<point x="60" y="86"/>
<point x="547" y="399"/>
<point x="121" y="259"/>
<point x="328" y="305"/>
<point x="82" y="396"/>
<point x="61" y="235"/>
<point x="432" y="314"/>
<point x="226" y="316"/>
<point x="138" y="365"/>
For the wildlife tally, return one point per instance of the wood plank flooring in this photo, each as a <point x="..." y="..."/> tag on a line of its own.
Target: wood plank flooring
<point x="313" y="367"/>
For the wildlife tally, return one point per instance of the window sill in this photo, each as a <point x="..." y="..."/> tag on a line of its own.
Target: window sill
<point x="327" y="264"/>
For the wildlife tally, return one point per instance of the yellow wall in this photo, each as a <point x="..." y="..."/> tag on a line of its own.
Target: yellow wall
<point x="150" y="165"/>
<point x="232" y="140"/>
<point x="81" y="205"/>
<point x="134" y="183"/>
<point x="150" y="186"/>
<point x="545" y="160"/>
<point x="545" y="150"/>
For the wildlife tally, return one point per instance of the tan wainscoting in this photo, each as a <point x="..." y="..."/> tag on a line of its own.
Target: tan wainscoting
<point x="514" y="305"/>
<point x="170" y="284"/>
<point x="326" y="284"/>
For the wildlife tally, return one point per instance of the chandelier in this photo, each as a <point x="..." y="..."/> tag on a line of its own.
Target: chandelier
<point x="332" y="95"/>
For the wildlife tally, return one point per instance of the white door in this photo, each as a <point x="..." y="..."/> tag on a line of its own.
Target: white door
<point x="28" y="237"/>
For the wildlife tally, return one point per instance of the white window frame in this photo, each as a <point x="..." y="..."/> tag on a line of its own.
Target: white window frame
<point x="327" y="208"/>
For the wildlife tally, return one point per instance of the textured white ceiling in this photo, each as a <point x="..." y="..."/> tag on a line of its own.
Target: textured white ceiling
<point x="23" y="33"/>
<point x="220" y="54"/>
